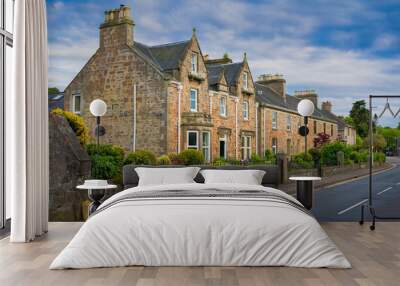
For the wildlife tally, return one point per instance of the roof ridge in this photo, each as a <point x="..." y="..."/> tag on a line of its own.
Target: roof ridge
<point x="169" y="44"/>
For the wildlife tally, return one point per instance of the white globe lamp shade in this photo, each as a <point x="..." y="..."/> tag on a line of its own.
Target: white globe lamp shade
<point x="98" y="107"/>
<point x="305" y="107"/>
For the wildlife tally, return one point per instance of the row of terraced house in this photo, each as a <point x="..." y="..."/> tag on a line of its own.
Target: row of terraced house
<point x="171" y="97"/>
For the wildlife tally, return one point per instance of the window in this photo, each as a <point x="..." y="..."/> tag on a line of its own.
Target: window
<point x="192" y="140"/>
<point x="288" y="122"/>
<point x="76" y="103"/>
<point x="246" y="147"/>
<point x="288" y="147"/>
<point x="194" y="62"/>
<point x="193" y="100"/>
<point x="315" y="127"/>
<point x="274" y="120"/>
<point x="222" y="147"/>
<point x="246" y="110"/>
<point x="6" y="65"/>
<point x="274" y="145"/>
<point x="222" y="106"/>
<point x="324" y="128"/>
<point x="206" y="146"/>
<point x="245" y="81"/>
<point x="331" y="129"/>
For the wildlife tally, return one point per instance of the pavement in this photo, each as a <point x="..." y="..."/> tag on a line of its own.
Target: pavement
<point x="342" y="201"/>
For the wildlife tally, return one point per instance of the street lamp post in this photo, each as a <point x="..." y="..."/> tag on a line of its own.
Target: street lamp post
<point x="305" y="109"/>
<point x="98" y="108"/>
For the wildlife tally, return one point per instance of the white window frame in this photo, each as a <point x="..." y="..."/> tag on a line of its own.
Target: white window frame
<point x="288" y="122"/>
<point x="74" y="96"/>
<point x="195" y="147"/>
<point x="274" y="147"/>
<point x="274" y="120"/>
<point x="245" y="79"/>
<point x="196" y="98"/>
<point x="223" y="106"/>
<point x="245" y="110"/>
<point x="224" y="139"/>
<point x="206" y="145"/>
<point x="246" y="147"/>
<point x="195" y="62"/>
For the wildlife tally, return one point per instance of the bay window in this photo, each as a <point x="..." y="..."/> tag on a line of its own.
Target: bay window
<point x="192" y="140"/>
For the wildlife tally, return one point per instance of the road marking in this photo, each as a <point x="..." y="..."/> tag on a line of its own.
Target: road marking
<point x="398" y="183"/>
<point x="352" y="207"/>
<point x="385" y="190"/>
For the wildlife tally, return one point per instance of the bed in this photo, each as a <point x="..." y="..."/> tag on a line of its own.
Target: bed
<point x="197" y="224"/>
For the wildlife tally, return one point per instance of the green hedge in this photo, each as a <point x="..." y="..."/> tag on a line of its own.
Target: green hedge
<point x="329" y="153"/>
<point x="141" y="157"/>
<point x="191" y="157"/>
<point x="77" y="124"/>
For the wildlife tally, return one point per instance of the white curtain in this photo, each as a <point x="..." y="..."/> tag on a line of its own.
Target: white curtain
<point x="27" y="124"/>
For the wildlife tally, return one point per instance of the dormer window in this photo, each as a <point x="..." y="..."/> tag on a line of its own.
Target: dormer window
<point x="193" y="100"/>
<point x="245" y="77"/>
<point x="246" y="110"/>
<point x="194" y="63"/>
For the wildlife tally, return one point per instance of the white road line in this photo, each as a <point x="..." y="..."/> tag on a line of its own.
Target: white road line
<point x="398" y="183"/>
<point x="352" y="207"/>
<point x="385" y="190"/>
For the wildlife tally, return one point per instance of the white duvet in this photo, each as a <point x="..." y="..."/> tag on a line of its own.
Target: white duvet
<point x="202" y="232"/>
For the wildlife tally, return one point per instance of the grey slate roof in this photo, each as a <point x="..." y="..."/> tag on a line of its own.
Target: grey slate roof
<point x="267" y="96"/>
<point x="165" y="57"/>
<point x="231" y="71"/>
<point x="56" y="101"/>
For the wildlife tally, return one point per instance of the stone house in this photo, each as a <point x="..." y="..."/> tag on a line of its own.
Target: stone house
<point x="159" y="97"/>
<point x="279" y="120"/>
<point x="171" y="97"/>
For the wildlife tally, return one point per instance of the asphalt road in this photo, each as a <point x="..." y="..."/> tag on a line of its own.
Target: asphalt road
<point x="342" y="202"/>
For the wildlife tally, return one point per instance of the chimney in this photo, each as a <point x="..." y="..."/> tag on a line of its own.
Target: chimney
<point x="117" y="28"/>
<point x="327" y="106"/>
<point x="307" y="94"/>
<point x="275" y="82"/>
<point x="224" y="60"/>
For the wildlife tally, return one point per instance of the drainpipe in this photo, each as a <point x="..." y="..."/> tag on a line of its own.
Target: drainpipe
<point x="264" y="131"/>
<point x="236" y="127"/>
<point x="180" y="87"/>
<point x="256" y="128"/>
<point x="134" y="118"/>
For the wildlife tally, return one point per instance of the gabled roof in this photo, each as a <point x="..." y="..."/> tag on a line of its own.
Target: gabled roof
<point x="165" y="57"/>
<point x="266" y="95"/>
<point x="231" y="71"/>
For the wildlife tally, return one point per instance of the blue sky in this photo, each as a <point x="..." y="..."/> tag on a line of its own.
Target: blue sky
<point x="344" y="50"/>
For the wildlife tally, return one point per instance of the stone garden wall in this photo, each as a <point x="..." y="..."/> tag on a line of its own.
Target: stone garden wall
<point x="69" y="166"/>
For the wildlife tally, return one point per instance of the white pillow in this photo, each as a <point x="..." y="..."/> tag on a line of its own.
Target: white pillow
<point x="166" y="176"/>
<point x="248" y="177"/>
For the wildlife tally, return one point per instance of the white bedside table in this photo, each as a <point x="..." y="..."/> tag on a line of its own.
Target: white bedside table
<point x="305" y="190"/>
<point x="95" y="194"/>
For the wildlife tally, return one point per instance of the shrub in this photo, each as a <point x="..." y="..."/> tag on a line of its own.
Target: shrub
<point x="315" y="154"/>
<point x="379" y="157"/>
<point x="220" y="162"/>
<point x="232" y="161"/>
<point x="164" y="160"/>
<point x="107" y="161"/>
<point x="175" y="159"/>
<point x="359" y="156"/>
<point x="302" y="160"/>
<point x="77" y="124"/>
<point x="141" y="157"/>
<point x="191" y="157"/>
<point x="269" y="156"/>
<point x="255" y="159"/>
<point x="329" y="153"/>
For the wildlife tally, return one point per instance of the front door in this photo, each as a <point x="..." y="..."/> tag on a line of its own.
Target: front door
<point x="222" y="148"/>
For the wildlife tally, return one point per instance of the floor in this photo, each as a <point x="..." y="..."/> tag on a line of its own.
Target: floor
<point x="375" y="257"/>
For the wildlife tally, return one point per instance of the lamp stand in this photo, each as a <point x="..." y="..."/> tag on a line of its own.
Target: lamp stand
<point x="305" y="136"/>
<point x="98" y="131"/>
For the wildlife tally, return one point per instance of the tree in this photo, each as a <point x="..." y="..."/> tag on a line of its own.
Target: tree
<point x="321" y="139"/>
<point x="379" y="142"/>
<point x="360" y="116"/>
<point x="349" y="120"/>
<point x="53" y="90"/>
